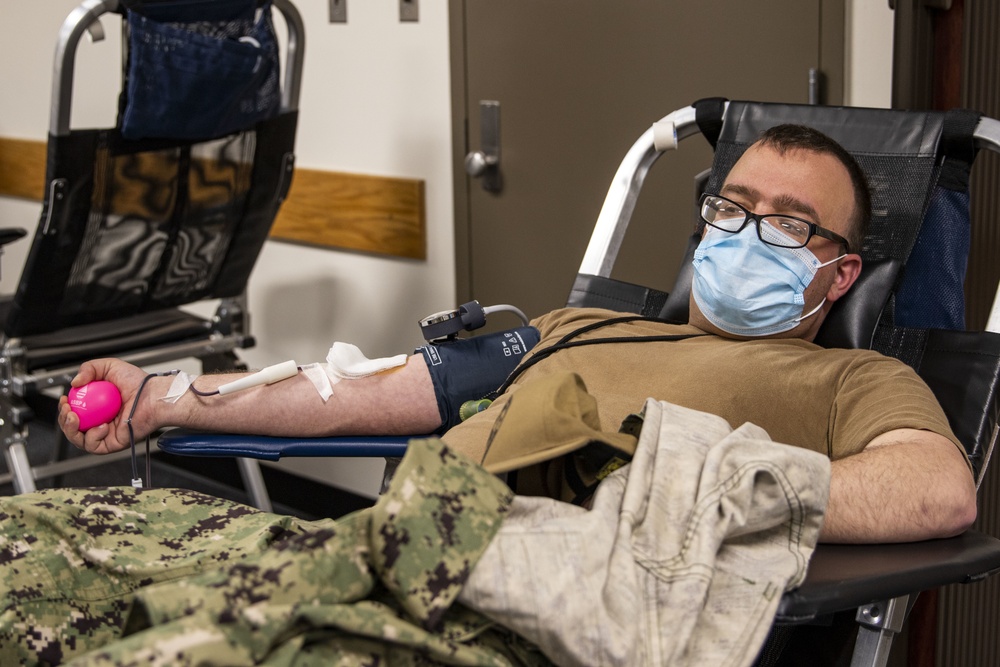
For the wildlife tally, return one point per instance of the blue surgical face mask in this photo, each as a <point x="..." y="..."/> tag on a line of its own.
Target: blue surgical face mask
<point x="749" y="288"/>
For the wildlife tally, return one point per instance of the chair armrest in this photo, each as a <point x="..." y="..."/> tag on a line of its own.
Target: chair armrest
<point x="186" y="442"/>
<point x="843" y="577"/>
<point x="10" y="234"/>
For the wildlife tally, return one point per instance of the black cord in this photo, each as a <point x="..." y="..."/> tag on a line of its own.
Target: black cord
<point x="567" y="342"/>
<point x="131" y="432"/>
<point x="196" y="392"/>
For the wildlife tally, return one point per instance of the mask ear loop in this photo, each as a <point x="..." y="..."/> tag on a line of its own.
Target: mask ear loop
<point x="829" y="262"/>
<point x="815" y="310"/>
<point x="136" y="480"/>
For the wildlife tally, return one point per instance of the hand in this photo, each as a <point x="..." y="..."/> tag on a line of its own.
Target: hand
<point x="111" y="437"/>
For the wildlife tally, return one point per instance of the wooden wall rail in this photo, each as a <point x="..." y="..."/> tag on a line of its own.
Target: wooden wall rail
<point x="22" y="168"/>
<point x="331" y="209"/>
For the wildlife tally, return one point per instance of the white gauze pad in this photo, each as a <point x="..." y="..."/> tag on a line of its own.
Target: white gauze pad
<point x="346" y="361"/>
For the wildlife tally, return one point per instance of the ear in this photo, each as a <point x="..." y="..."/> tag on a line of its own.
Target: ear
<point x="848" y="270"/>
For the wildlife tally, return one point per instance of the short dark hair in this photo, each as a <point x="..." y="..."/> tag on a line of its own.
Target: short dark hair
<point x="789" y="136"/>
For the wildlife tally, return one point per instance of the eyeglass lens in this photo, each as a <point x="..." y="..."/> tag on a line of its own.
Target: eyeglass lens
<point x="778" y="230"/>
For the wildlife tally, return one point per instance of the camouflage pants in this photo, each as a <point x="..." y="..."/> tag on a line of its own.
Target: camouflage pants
<point x="123" y="576"/>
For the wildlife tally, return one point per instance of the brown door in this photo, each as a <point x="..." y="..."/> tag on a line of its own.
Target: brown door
<point x="577" y="82"/>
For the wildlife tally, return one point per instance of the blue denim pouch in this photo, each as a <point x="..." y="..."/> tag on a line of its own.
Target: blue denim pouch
<point x="200" y="79"/>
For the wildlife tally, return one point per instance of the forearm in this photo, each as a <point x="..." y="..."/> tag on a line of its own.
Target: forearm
<point x="900" y="489"/>
<point x="398" y="401"/>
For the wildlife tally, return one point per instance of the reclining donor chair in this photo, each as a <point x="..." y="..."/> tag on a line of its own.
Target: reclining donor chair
<point x="908" y="303"/>
<point x="169" y="207"/>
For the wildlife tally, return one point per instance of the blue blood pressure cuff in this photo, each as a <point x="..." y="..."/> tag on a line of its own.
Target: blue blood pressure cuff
<point x="467" y="369"/>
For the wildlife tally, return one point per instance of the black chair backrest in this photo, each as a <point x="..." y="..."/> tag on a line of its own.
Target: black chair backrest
<point x="908" y="157"/>
<point x="910" y="303"/>
<point x="909" y="300"/>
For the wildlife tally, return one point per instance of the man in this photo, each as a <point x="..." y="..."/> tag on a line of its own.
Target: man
<point x="758" y="300"/>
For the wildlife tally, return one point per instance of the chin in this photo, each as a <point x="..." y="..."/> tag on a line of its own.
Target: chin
<point x="803" y="331"/>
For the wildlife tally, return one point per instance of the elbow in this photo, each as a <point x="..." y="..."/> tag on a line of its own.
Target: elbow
<point x="966" y="514"/>
<point x="960" y="512"/>
<point x="957" y="508"/>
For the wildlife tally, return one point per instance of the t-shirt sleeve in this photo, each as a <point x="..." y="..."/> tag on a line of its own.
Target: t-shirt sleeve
<point x="877" y="395"/>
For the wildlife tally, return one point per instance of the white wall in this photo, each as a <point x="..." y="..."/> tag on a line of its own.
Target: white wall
<point x="375" y="100"/>
<point x="868" y="66"/>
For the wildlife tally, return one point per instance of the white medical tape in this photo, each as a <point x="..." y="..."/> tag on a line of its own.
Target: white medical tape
<point x="664" y="135"/>
<point x="177" y="388"/>
<point x="321" y="379"/>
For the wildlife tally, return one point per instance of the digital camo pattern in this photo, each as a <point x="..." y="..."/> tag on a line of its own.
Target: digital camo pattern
<point x="124" y="577"/>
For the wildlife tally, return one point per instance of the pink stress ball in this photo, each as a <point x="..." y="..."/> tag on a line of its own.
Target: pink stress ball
<point x="95" y="403"/>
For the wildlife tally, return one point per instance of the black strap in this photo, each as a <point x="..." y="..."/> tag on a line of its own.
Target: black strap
<point x="567" y="342"/>
<point x="580" y="488"/>
<point x="708" y="114"/>
<point x="958" y="148"/>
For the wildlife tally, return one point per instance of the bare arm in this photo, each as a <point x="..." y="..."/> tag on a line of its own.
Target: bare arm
<point x="396" y="402"/>
<point x="906" y="485"/>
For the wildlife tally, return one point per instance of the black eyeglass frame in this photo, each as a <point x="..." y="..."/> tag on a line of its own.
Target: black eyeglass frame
<point x="814" y="229"/>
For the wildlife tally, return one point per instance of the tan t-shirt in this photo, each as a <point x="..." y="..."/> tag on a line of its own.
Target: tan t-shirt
<point x="829" y="400"/>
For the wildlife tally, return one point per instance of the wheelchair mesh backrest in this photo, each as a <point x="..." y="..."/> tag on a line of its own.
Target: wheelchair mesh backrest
<point x="130" y="226"/>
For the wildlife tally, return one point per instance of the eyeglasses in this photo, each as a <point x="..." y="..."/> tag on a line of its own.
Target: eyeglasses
<point x="782" y="231"/>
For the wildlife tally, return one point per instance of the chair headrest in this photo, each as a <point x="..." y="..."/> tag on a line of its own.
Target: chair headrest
<point x="852" y="320"/>
<point x="675" y="309"/>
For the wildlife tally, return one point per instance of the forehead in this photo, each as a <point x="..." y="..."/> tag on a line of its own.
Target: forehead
<point x="796" y="181"/>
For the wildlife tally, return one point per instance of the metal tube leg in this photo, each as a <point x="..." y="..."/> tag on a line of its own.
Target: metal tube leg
<point x="391" y="463"/>
<point x="253" y="482"/>
<point x="880" y="622"/>
<point x="19" y="467"/>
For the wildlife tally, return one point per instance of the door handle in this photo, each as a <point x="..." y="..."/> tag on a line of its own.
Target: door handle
<point x="485" y="163"/>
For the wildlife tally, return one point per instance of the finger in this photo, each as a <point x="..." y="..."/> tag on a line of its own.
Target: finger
<point x="70" y="424"/>
<point x="95" y="439"/>
<point x="96" y="369"/>
<point x="87" y="373"/>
